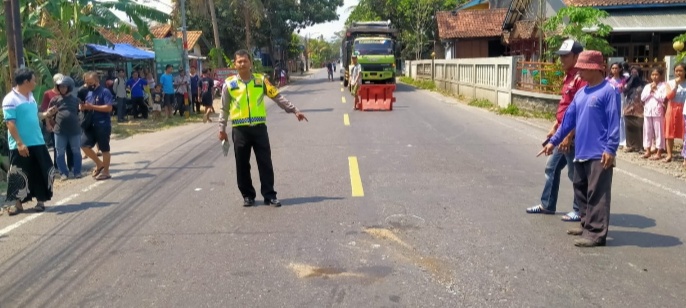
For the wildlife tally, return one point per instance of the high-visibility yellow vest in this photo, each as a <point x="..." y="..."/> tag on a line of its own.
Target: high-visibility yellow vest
<point x="247" y="100"/>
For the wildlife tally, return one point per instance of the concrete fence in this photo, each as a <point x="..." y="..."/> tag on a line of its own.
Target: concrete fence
<point x="480" y="78"/>
<point x="494" y="79"/>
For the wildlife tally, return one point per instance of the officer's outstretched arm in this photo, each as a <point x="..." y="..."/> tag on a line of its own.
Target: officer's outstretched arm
<point x="273" y="93"/>
<point x="224" y="113"/>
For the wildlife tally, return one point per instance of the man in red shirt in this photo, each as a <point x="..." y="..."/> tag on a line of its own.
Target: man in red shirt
<point x="563" y="155"/>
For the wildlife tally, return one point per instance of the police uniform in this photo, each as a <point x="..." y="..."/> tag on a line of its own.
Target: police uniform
<point x="243" y="105"/>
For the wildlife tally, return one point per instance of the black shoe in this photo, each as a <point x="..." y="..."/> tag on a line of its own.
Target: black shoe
<point x="273" y="202"/>
<point x="247" y="202"/>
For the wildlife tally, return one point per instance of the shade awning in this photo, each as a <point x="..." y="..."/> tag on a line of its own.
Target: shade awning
<point x="647" y="20"/>
<point x="122" y="50"/>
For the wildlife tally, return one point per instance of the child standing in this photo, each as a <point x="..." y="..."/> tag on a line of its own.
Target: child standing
<point x="617" y="80"/>
<point x="674" y="119"/>
<point x="157" y="97"/>
<point x="653" y="96"/>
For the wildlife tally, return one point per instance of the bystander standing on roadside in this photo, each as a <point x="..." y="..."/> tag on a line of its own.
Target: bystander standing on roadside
<point x="594" y="115"/>
<point x="119" y="87"/>
<point x="67" y="129"/>
<point x="653" y="97"/>
<point x="169" y="97"/>
<point x="99" y="102"/>
<point x="31" y="172"/>
<point x="564" y="154"/>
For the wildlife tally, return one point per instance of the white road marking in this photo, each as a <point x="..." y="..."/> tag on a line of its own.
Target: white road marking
<point x="31" y="217"/>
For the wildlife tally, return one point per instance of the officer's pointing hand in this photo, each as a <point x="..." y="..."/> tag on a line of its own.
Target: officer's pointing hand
<point x="300" y="116"/>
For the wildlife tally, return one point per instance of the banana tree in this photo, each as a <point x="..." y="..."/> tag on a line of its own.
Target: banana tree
<point x="203" y="7"/>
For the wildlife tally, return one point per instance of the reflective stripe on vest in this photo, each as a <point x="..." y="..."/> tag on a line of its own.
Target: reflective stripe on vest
<point x="247" y="101"/>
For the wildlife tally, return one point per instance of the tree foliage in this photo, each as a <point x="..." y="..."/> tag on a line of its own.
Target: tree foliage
<point x="571" y="22"/>
<point x="680" y="54"/>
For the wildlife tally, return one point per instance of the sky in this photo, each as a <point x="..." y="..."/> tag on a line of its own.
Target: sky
<point x="330" y="28"/>
<point x="326" y="29"/>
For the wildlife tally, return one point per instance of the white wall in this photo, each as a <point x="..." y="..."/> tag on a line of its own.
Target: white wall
<point x="480" y="78"/>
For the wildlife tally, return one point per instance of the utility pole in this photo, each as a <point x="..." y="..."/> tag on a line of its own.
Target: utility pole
<point x="18" y="40"/>
<point x="9" y="25"/>
<point x="307" y="51"/>
<point x="186" y="65"/>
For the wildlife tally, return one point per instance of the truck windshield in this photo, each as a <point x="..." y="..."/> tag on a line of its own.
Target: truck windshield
<point x="374" y="46"/>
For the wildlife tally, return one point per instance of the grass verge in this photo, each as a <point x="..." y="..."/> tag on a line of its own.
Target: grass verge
<point x="511" y="110"/>
<point x="128" y="129"/>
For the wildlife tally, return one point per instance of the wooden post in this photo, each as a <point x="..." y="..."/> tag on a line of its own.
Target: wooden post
<point x="9" y="25"/>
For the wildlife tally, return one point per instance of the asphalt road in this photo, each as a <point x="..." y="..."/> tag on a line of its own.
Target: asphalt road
<point x="436" y="220"/>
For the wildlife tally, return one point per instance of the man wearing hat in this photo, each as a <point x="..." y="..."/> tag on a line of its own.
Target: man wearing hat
<point x="564" y="154"/>
<point x="594" y="115"/>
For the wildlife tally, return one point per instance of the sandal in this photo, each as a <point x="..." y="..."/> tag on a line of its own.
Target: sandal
<point x="571" y="217"/>
<point x="538" y="209"/>
<point x="101" y="177"/>
<point x="40" y="207"/>
<point x="97" y="171"/>
<point x="15" y="209"/>
<point x="668" y="159"/>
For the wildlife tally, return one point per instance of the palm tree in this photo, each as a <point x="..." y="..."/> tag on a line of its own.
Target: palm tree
<point x="252" y="11"/>
<point x="202" y="6"/>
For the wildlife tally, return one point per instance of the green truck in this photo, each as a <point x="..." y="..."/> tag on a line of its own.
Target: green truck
<point x="377" y="45"/>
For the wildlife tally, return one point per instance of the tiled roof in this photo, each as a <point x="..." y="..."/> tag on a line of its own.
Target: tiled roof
<point x="470" y="23"/>
<point x="193" y="38"/>
<point x="119" y="38"/>
<point x="524" y="30"/>
<point x="602" y="3"/>
<point x="160" y="31"/>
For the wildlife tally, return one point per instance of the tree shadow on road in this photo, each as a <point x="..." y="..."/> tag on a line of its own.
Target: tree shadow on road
<point x="632" y="221"/>
<point x="72" y="208"/>
<point x="641" y="239"/>
<point x="305" y="200"/>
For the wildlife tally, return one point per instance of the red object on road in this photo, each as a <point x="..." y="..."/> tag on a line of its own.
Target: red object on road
<point x="378" y="97"/>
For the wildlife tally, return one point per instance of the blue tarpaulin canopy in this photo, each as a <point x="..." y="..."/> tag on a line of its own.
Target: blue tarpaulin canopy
<point x="122" y="50"/>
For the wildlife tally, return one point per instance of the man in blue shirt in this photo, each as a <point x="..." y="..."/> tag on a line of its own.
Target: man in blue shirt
<point x="594" y="115"/>
<point x="135" y="85"/>
<point x="167" y="82"/>
<point x="99" y="102"/>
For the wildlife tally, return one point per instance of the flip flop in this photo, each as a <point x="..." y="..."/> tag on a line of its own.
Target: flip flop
<point x="102" y="177"/>
<point x="571" y="217"/>
<point x="97" y="171"/>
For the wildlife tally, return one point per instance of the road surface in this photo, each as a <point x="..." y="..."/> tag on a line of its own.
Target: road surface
<point x="419" y="207"/>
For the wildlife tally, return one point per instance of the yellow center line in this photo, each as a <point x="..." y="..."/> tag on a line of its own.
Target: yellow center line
<point x="343" y="99"/>
<point x="341" y="89"/>
<point x="346" y="120"/>
<point x="355" y="180"/>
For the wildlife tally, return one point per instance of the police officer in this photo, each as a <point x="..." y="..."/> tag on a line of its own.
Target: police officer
<point x="243" y="103"/>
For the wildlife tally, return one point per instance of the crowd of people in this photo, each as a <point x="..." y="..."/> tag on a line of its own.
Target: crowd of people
<point x="598" y="115"/>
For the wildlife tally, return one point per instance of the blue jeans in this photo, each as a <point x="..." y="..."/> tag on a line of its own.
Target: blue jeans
<point x="75" y="148"/>
<point x="553" y="169"/>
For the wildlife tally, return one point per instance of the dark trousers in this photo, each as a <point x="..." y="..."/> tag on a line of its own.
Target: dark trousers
<point x="592" y="189"/>
<point x="245" y="139"/>
<point x="139" y="107"/>
<point x="634" y="132"/>
<point x="180" y="107"/>
<point x="195" y="102"/>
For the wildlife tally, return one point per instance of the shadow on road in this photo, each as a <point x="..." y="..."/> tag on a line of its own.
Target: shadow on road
<point x="641" y="239"/>
<point x="404" y="88"/>
<point x="71" y="208"/>
<point x="305" y="200"/>
<point x="124" y="152"/>
<point x="632" y="221"/>
<point x="317" y="110"/>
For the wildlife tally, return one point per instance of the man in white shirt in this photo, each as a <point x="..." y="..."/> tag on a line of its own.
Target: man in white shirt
<point x="355" y="78"/>
<point x="119" y="87"/>
<point x="181" y="82"/>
